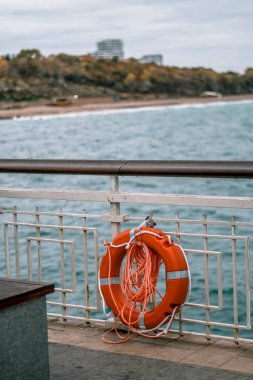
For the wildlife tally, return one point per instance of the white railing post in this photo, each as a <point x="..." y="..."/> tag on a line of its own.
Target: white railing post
<point x="206" y="271"/>
<point x="15" y="220"/>
<point x="86" y="268"/>
<point x="235" y="299"/>
<point x="115" y="206"/>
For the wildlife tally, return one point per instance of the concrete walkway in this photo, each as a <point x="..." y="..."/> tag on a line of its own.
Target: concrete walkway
<point x="75" y="363"/>
<point x="78" y="352"/>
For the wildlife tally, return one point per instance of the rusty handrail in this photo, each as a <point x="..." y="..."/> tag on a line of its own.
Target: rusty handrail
<point x="215" y="169"/>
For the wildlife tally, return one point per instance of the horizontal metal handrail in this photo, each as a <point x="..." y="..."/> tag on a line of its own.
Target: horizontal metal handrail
<point x="209" y="169"/>
<point x="129" y="197"/>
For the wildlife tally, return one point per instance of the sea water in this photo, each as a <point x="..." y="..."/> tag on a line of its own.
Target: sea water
<point x="219" y="131"/>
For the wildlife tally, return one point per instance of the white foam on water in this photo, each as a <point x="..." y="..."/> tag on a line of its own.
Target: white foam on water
<point x="132" y="110"/>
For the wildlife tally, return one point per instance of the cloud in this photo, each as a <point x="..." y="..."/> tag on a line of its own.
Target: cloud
<point x="186" y="32"/>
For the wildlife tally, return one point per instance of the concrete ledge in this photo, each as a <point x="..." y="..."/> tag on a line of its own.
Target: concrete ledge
<point x="23" y="341"/>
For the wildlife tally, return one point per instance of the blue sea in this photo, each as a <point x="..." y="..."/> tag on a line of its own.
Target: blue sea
<point x="220" y="131"/>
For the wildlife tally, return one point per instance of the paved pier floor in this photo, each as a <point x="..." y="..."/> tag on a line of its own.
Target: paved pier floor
<point x="78" y="352"/>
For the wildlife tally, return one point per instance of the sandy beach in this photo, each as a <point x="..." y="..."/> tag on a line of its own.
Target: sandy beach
<point x="83" y="105"/>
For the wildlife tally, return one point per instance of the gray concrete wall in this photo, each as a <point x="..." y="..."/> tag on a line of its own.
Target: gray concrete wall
<point x="23" y="341"/>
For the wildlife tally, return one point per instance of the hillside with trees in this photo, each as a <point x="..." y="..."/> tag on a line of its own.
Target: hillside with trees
<point x="30" y="76"/>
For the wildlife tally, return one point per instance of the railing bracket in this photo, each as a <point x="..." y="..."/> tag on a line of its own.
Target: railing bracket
<point x="114" y="218"/>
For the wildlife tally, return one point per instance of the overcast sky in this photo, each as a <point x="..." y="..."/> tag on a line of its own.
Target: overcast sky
<point x="210" y="33"/>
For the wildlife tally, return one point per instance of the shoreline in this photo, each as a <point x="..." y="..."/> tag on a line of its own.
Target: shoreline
<point x="83" y="105"/>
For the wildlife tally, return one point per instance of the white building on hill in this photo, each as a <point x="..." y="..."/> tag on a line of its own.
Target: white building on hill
<point x="110" y="49"/>
<point x="152" y="58"/>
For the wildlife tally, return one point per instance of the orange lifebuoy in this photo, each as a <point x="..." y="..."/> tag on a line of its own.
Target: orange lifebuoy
<point x="176" y="267"/>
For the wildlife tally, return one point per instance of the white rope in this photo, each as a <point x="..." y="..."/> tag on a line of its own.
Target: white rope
<point x="133" y="238"/>
<point x="103" y="300"/>
<point x="165" y="330"/>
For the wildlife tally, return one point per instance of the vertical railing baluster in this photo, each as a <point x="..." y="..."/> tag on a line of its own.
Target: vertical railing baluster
<point x="247" y="279"/>
<point x="29" y="260"/>
<point x="15" y="220"/>
<point x="37" y="221"/>
<point x="7" y="250"/>
<point x="220" y="295"/>
<point x="115" y="206"/>
<point x="96" y="249"/>
<point x="235" y="300"/>
<point x="207" y="295"/>
<point x="178" y="239"/>
<point x="64" y="296"/>
<point x="86" y="268"/>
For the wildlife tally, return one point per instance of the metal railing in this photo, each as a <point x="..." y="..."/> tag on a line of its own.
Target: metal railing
<point x="223" y="169"/>
<point x="65" y="247"/>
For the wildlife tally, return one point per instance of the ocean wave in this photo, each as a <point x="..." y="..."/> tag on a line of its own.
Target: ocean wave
<point x="131" y="110"/>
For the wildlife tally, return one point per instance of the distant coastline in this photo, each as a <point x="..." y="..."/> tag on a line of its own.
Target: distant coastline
<point x="37" y="109"/>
